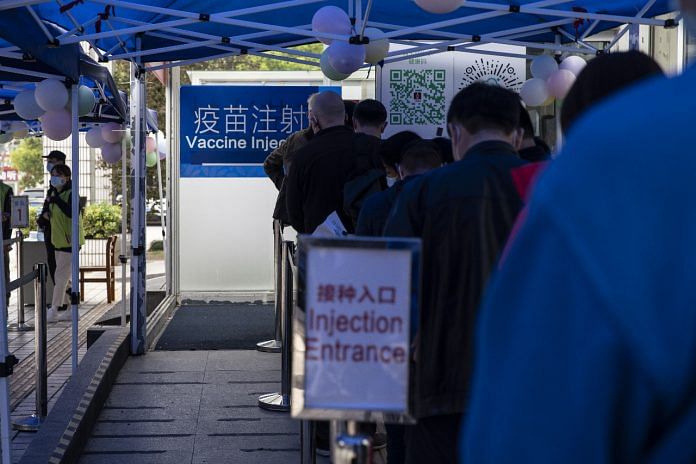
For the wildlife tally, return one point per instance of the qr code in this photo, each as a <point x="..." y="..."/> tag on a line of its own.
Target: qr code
<point x="417" y="96"/>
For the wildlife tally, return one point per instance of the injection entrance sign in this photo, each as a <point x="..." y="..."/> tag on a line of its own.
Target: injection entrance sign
<point x="358" y="301"/>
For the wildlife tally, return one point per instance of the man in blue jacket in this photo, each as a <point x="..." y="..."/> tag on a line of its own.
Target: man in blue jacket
<point x="463" y="212"/>
<point x="586" y="348"/>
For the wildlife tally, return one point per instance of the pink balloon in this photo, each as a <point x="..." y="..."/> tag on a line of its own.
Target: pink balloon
<point x="150" y="145"/>
<point x="574" y="64"/>
<point x="560" y="82"/>
<point x="56" y="125"/>
<point x="111" y="153"/>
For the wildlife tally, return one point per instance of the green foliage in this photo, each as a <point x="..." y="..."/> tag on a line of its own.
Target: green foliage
<point x="102" y="220"/>
<point x="26" y="159"/>
<point x="33" y="212"/>
<point x="157" y="245"/>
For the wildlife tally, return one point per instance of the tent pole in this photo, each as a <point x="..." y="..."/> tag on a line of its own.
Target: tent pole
<point x="5" y="420"/>
<point x="75" y="239"/>
<point x="161" y="202"/>
<point x="138" y="278"/>
<point x="124" y="228"/>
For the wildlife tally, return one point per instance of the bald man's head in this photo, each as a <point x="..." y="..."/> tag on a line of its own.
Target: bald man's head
<point x="326" y="110"/>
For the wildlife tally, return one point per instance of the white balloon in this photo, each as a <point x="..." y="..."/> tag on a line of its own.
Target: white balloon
<point x="574" y="64"/>
<point x="345" y="57"/>
<point x="543" y="66"/>
<point x="439" y="6"/>
<point x="378" y="47"/>
<point x="331" y="20"/>
<point x="112" y="132"/>
<point x="328" y="70"/>
<point x="560" y="82"/>
<point x="5" y="137"/>
<point x="162" y="145"/>
<point x="51" y="95"/>
<point x="57" y="125"/>
<point x="94" y="137"/>
<point x="26" y="107"/>
<point x="534" y="92"/>
<point x="111" y="153"/>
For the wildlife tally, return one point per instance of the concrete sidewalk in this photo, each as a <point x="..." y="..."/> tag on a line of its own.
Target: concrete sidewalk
<point x="194" y="407"/>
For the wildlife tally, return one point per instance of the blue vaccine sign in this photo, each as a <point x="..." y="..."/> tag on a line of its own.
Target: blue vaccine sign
<point x="228" y="131"/>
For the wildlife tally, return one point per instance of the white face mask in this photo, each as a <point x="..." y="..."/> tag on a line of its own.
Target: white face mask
<point x="57" y="181"/>
<point x="49" y="166"/>
<point x="391" y="181"/>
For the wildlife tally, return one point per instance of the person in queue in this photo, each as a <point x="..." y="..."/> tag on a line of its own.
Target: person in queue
<point x="586" y="344"/>
<point x="418" y="158"/>
<point x="390" y="152"/>
<point x="6" y="195"/>
<point x="321" y="168"/>
<point x="602" y="77"/>
<point x="463" y="213"/>
<point x="532" y="148"/>
<point x="60" y="216"/>
<point x="277" y="165"/>
<point x="54" y="158"/>
<point x="368" y="175"/>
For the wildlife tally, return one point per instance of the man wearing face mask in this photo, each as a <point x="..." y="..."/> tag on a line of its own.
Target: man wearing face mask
<point x="53" y="159"/>
<point x="463" y="212"/>
<point x="314" y="186"/>
<point x="586" y="347"/>
<point x="60" y="212"/>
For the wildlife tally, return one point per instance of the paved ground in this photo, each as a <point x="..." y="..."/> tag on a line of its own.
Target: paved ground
<point x="194" y="407"/>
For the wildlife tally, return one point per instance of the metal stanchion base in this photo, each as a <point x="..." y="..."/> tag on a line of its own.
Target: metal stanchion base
<point x="274" y="402"/>
<point x="28" y="424"/>
<point x="17" y="327"/>
<point x="270" y="346"/>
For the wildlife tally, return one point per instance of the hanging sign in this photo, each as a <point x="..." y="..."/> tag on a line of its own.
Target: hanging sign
<point x="228" y="131"/>
<point x="19" y="218"/>
<point x="357" y="300"/>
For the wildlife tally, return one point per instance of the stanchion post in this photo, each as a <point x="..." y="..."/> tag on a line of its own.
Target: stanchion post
<point x="352" y="447"/>
<point x="21" y="325"/>
<point x="33" y="422"/>
<point x="281" y="401"/>
<point x="275" y="345"/>
<point x="307" y="451"/>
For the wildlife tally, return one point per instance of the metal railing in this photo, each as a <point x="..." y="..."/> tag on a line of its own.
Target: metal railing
<point x="38" y="276"/>
<point x="275" y="345"/>
<point x="20" y="325"/>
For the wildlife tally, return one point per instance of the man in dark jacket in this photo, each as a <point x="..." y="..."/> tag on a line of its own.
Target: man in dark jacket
<point x="277" y="164"/>
<point x="418" y="158"/>
<point x="464" y="213"/>
<point x="321" y="168"/>
<point x="53" y="159"/>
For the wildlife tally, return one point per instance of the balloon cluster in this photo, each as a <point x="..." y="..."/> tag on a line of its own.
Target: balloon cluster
<point x="50" y="103"/>
<point x="108" y="138"/>
<point x="155" y="148"/>
<point x="342" y="57"/>
<point x="550" y="80"/>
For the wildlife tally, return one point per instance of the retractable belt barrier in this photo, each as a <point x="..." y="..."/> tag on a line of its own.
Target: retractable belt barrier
<point x="38" y="276"/>
<point x="20" y="325"/>
<point x="275" y="345"/>
<point x="280" y="401"/>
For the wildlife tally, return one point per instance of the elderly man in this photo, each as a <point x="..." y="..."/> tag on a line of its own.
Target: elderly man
<point x="314" y="186"/>
<point x="586" y="350"/>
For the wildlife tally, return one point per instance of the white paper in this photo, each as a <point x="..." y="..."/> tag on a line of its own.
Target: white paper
<point x="331" y="227"/>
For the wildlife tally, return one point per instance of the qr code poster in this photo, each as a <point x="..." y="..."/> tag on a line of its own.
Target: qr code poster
<point x="417" y="91"/>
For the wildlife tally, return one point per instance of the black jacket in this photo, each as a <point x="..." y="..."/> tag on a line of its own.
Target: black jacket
<point x="314" y="186"/>
<point x="278" y="163"/>
<point x="464" y="213"/>
<point x="376" y="209"/>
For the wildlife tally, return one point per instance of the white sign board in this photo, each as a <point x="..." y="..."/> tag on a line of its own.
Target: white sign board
<point x="417" y="91"/>
<point x="20" y="212"/>
<point x="357" y="326"/>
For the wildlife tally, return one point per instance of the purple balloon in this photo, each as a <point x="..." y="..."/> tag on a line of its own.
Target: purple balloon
<point x="57" y="125"/>
<point x="111" y="153"/>
<point x="331" y="20"/>
<point x="344" y="57"/>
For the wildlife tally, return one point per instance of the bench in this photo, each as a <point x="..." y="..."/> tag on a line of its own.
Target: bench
<point x="98" y="262"/>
